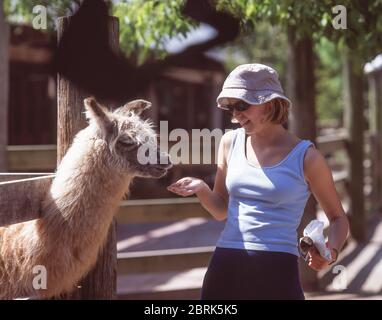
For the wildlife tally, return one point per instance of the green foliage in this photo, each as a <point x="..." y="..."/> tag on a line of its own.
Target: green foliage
<point x="146" y="25"/>
<point x="265" y="44"/>
<point x="328" y="72"/>
<point x="305" y="15"/>
<point x="314" y="18"/>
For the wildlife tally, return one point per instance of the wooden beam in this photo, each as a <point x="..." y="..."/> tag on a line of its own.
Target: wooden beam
<point x="340" y="176"/>
<point x="32" y="158"/>
<point x="160" y="210"/>
<point x="163" y="260"/>
<point x="20" y="200"/>
<point x="329" y="144"/>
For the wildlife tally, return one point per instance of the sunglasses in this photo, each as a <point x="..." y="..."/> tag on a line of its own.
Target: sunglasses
<point x="238" y="106"/>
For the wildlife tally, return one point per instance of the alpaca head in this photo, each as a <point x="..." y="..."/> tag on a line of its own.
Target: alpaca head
<point x="131" y="141"/>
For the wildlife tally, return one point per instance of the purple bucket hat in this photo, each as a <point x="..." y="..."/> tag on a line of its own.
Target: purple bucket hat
<point x="253" y="83"/>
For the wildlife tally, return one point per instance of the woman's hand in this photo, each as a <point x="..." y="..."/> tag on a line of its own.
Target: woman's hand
<point x="187" y="186"/>
<point x="316" y="261"/>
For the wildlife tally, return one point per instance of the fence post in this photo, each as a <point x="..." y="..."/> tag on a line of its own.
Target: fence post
<point x="100" y="283"/>
<point x="4" y="81"/>
<point x="354" y="122"/>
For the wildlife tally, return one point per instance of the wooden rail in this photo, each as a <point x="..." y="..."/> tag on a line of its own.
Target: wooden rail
<point x="32" y="158"/>
<point x="160" y="210"/>
<point x="331" y="143"/>
<point x="20" y="200"/>
<point x="163" y="260"/>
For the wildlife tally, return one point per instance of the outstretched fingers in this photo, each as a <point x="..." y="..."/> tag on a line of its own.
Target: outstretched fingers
<point x="182" y="187"/>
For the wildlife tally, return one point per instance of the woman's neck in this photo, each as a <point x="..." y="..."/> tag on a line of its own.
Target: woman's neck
<point x="270" y="135"/>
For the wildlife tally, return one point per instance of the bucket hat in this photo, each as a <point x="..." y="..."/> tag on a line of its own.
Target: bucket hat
<point x="253" y="83"/>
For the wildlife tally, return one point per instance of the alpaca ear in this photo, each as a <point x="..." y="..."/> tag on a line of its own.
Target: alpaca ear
<point x="136" y="106"/>
<point x="97" y="113"/>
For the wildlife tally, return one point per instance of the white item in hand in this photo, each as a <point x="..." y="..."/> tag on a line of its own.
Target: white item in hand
<point x="315" y="231"/>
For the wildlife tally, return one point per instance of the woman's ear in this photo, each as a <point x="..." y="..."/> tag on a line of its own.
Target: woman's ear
<point x="267" y="111"/>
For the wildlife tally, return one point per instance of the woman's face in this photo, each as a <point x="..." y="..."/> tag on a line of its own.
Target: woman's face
<point x="253" y="119"/>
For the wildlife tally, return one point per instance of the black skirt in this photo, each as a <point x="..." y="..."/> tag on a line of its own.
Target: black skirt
<point x="239" y="274"/>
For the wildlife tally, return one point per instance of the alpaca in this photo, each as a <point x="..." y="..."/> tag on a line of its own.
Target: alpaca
<point x="78" y="210"/>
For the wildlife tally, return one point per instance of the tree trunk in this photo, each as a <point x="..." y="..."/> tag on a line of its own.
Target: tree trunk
<point x="4" y="83"/>
<point x="354" y="122"/>
<point x="100" y="283"/>
<point x="301" y="90"/>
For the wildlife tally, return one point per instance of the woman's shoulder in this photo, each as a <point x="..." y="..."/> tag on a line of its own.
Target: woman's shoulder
<point x="297" y="142"/>
<point x="230" y="135"/>
<point x="228" y="138"/>
<point x="291" y="142"/>
<point x="314" y="161"/>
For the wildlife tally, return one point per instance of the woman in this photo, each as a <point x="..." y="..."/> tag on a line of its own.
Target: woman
<point x="264" y="177"/>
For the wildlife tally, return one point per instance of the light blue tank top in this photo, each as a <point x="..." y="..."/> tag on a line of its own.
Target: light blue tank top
<point x="265" y="203"/>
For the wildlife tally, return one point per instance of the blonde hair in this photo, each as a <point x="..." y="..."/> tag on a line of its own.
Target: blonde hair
<point x="277" y="111"/>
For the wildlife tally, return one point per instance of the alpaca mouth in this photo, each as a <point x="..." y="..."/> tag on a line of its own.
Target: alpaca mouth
<point x="159" y="171"/>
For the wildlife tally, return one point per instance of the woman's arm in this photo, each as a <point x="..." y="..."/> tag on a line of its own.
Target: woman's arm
<point x="321" y="184"/>
<point x="214" y="201"/>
